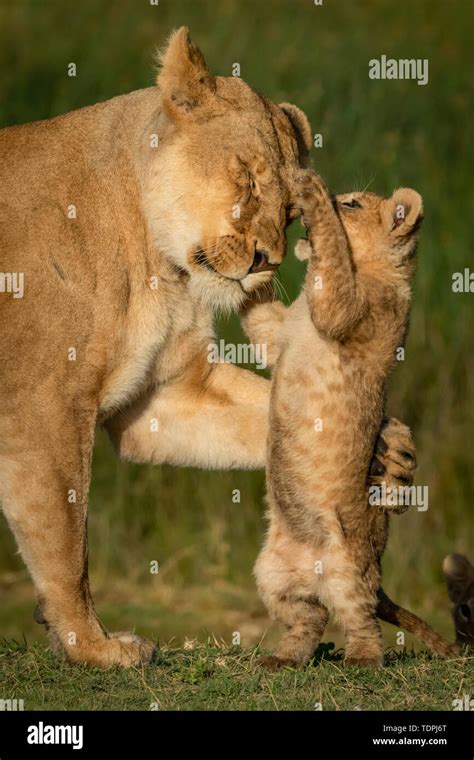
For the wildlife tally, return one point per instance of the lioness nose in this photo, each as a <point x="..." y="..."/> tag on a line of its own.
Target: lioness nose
<point x="261" y="263"/>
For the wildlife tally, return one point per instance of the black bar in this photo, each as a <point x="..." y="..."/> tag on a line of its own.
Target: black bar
<point x="136" y="734"/>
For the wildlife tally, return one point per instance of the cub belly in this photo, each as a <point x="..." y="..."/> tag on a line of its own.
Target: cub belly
<point x="322" y="432"/>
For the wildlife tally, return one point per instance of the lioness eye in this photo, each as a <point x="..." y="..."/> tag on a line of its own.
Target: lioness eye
<point x="253" y="185"/>
<point x="353" y="203"/>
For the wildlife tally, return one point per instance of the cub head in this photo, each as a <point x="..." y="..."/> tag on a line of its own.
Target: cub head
<point x="218" y="191"/>
<point x="459" y="574"/>
<point x="382" y="230"/>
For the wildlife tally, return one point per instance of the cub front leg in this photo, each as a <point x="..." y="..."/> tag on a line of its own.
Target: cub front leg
<point x="334" y="297"/>
<point x="394" y="460"/>
<point x="262" y="318"/>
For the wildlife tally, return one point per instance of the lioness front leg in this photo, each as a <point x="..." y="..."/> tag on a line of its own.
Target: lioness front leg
<point x="44" y="498"/>
<point x="215" y="416"/>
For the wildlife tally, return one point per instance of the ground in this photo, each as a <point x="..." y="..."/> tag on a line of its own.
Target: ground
<point x="218" y="677"/>
<point x="189" y="674"/>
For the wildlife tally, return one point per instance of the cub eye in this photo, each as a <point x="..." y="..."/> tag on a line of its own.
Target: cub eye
<point x="253" y="185"/>
<point x="353" y="203"/>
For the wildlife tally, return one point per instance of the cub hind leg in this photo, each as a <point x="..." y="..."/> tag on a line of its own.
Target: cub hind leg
<point x="350" y="591"/>
<point x="287" y="583"/>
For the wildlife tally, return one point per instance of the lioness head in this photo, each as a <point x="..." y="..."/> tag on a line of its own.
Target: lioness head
<point x="218" y="193"/>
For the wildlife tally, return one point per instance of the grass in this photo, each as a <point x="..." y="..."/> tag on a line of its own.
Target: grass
<point x="385" y="133"/>
<point x="217" y="677"/>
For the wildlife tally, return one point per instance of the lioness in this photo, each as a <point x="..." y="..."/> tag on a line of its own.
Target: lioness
<point x="130" y="222"/>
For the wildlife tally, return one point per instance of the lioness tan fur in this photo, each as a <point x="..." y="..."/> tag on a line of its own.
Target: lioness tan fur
<point x="334" y="348"/>
<point x="131" y="221"/>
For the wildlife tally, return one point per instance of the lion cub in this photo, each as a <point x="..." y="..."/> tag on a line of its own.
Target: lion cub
<point x="334" y="348"/>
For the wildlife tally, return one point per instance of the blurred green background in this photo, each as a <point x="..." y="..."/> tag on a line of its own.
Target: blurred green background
<point x="386" y="133"/>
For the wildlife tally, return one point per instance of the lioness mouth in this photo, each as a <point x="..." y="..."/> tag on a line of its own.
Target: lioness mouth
<point x="201" y="259"/>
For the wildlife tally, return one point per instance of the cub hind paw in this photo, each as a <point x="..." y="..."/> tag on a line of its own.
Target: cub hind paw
<point x="273" y="663"/>
<point x="364" y="662"/>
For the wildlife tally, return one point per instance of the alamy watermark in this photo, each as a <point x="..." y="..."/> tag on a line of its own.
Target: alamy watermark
<point x="49" y="734"/>
<point x="463" y="282"/>
<point x="238" y="353"/>
<point x="466" y="702"/>
<point x="11" y="705"/>
<point x="12" y="282"/>
<point x="398" y="496"/>
<point x="403" y="68"/>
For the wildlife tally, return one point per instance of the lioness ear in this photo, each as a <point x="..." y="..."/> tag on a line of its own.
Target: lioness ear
<point x="184" y="79"/>
<point x="402" y="214"/>
<point x="301" y="126"/>
<point x="459" y="573"/>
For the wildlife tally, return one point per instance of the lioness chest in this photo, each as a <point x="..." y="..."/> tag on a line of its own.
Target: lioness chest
<point x="162" y="332"/>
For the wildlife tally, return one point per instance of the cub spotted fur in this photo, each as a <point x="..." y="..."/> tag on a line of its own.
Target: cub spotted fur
<point x="334" y="348"/>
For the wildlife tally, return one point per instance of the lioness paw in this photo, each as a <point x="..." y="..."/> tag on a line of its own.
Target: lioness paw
<point x="125" y="649"/>
<point x="133" y="649"/>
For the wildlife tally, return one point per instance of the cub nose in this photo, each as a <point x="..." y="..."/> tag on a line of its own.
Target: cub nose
<point x="261" y="263"/>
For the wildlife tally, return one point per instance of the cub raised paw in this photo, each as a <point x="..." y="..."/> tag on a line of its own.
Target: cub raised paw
<point x="310" y="195"/>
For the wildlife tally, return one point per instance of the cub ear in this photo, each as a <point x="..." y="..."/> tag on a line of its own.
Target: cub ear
<point x="302" y="129"/>
<point x="184" y="79"/>
<point x="402" y="214"/>
<point x="458" y="572"/>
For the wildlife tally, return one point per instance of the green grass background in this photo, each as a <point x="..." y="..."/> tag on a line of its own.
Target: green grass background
<point x="386" y="133"/>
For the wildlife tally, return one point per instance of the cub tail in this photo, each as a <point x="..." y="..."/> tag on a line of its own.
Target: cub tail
<point x="390" y="612"/>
